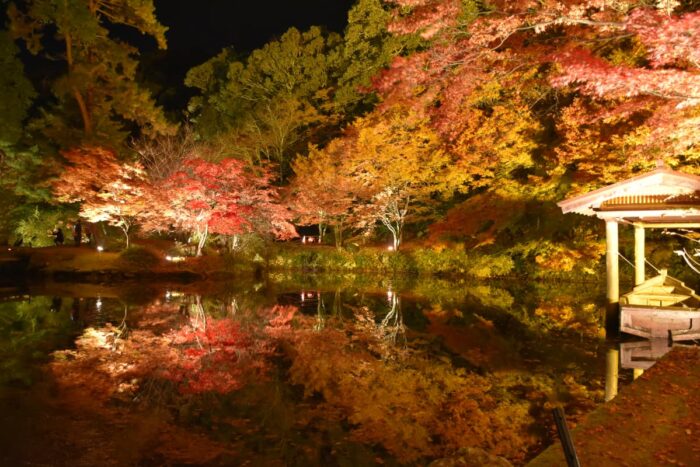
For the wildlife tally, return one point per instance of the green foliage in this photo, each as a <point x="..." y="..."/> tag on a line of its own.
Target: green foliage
<point x="205" y="109"/>
<point x="295" y="90"/>
<point x="367" y="48"/>
<point x="24" y="186"/>
<point x="469" y="13"/>
<point x="140" y="257"/>
<point x="26" y="172"/>
<point x="35" y="229"/>
<point x="452" y="260"/>
<point x="27" y="330"/>
<point x="16" y="92"/>
<point x="98" y="97"/>
<point x="415" y="261"/>
<point x="269" y="106"/>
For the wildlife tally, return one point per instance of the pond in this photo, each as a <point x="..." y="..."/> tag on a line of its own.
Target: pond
<point x="294" y="370"/>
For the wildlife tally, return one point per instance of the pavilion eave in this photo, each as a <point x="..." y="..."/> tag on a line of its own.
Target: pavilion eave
<point x="659" y="183"/>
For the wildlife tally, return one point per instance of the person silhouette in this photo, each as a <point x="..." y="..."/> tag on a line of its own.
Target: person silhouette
<point x="78" y="233"/>
<point x="75" y="310"/>
<point x="56" y="303"/>
<point x="57" y="236"/>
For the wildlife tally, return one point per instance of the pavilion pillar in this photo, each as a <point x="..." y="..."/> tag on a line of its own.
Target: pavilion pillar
<point x="639" y="257"/>
<point x="612" y="263"/>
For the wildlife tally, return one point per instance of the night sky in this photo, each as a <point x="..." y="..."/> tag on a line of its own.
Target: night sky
<point x="198" y="30"/>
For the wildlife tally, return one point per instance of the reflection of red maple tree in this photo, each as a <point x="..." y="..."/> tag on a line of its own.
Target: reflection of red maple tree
<point x="220" y="355"/>
<point x="205" y="355"/>
<point x="217" y="357"/>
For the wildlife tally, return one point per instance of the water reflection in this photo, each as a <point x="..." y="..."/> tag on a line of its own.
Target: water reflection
<point x="637" y="356"/>
<point x="372" y="374"/>
<point x="642" y="355"/>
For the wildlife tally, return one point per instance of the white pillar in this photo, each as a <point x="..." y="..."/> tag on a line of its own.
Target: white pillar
<point x="639" y="257"/>
<point x="612" y="265"/>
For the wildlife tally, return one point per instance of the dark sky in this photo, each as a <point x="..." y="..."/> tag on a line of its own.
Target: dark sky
<point x="200" y="29"/>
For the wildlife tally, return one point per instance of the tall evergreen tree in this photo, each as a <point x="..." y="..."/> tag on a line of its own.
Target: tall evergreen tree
<point x="367" y="48"/>
<point x="97" y="96"/>
<point x="269" y="106"/>
<point x="16" y="92"/>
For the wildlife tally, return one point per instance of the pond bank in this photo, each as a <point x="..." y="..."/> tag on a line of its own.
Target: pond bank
<point x="83" y="264"/>
<point x="651" y="422"/>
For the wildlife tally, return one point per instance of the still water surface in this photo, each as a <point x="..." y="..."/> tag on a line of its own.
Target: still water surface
<point x="286" y="370"/>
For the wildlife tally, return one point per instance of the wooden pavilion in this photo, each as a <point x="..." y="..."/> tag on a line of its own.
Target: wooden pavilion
<point x="662" y="198"/>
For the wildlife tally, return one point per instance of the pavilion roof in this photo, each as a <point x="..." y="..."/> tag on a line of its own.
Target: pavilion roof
<point x="660" y="194"/>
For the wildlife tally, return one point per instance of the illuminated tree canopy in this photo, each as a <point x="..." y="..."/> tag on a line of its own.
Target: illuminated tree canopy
<point x="419" y="108"/>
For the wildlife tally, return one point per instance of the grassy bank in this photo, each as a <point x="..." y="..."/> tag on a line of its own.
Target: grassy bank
<point x="146" y="259"/>
<point x="411" y="261"/>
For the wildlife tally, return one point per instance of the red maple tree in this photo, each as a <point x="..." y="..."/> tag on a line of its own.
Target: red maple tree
<point x="227" y="198"/>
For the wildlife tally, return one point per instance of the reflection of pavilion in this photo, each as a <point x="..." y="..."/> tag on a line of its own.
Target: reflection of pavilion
<point x="637" y="356"/>
<point x="641" y="355"/>
<point x="662" y="198"/>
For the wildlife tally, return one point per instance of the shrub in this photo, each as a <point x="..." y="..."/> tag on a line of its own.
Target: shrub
<point x="140" y="257"/>
<point x="429" y="261"/>
<point x="36" y="228"/>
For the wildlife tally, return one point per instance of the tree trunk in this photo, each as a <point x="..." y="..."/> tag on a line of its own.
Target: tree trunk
<point x="338" y="234"/>
<point x="395" y="230"/>
<point x="337" y="304"/>
<point x="397" y="239"/>
<point x="235" y="242"/>
<point x="84" y="111"/>
<point x="126" y="236"/>
<point x="202" y="240"/>
<point x="321" y="231"/>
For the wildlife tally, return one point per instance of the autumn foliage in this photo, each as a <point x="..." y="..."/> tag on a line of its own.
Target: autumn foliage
<point x="107" y="189"/>
<point x="217" y="357"/>
<point x="227" y="198"/>
<point x="520" y="103"/>
<point x="400" y="398"/>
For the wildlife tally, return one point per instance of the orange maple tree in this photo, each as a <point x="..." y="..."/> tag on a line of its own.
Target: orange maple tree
<point x="107" y="189"/>
<point x="322" y="192"/>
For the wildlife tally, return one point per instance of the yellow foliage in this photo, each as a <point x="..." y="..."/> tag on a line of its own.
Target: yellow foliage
<point x="585" y="253"/>
<point x="494" y="143"/>
<point x="398" y="152"/>
<point x="412" y="404"/>
<point x="398" y="164"/>
<point x="567" y="314"/>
